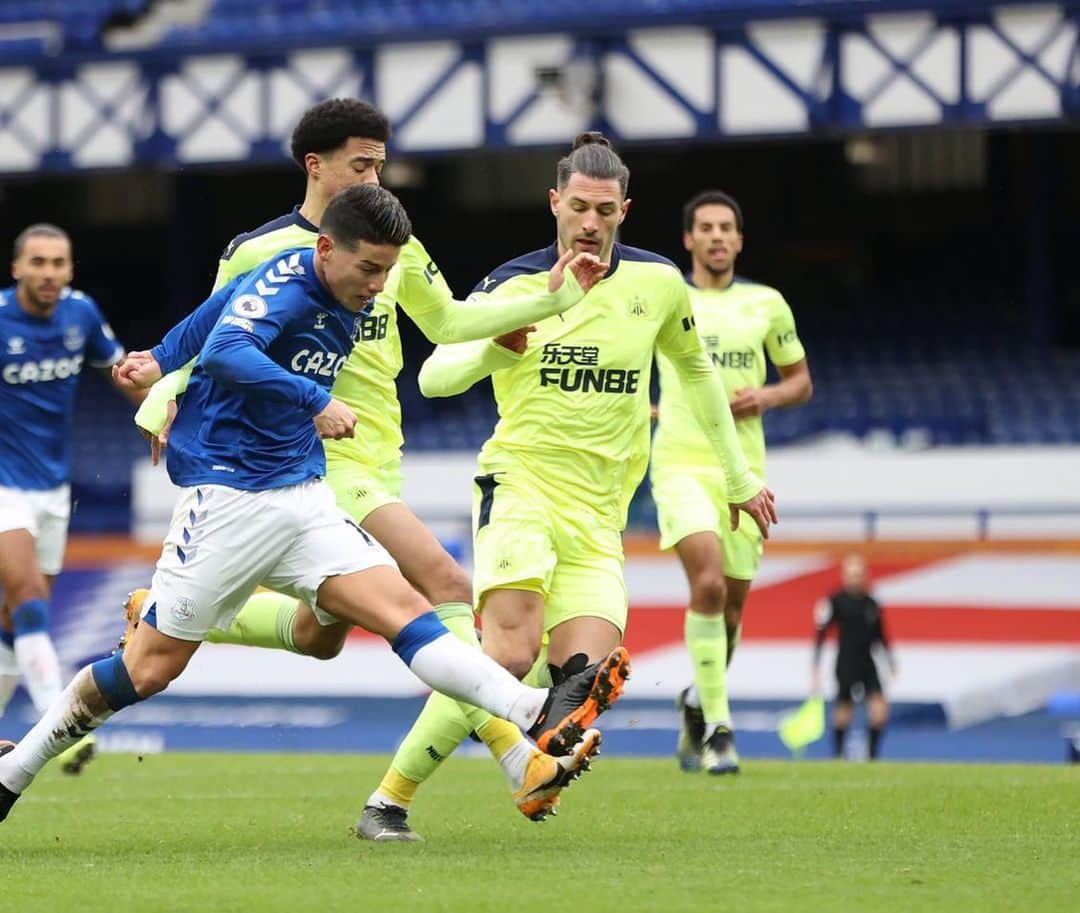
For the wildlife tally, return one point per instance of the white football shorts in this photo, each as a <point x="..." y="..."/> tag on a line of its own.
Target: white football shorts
<point x="223" y="543"/>
<point x="45" y="515"/>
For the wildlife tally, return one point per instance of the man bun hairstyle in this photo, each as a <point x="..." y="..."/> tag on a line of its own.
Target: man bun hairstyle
<point x="710" y="198"/>
<point x="330" y="124"/>
<point x="38" y="230"/>
<point x="593" y="156"/>
<point x="366" y="212"/>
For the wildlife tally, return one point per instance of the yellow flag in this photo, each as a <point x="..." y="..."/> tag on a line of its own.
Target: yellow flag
<point x="803" y="726"/>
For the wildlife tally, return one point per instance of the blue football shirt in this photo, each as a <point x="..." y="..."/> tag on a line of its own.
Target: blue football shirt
<point x="40" y="362"/>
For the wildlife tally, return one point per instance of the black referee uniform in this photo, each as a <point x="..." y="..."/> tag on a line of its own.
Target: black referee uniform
<point x="857" y="617"/>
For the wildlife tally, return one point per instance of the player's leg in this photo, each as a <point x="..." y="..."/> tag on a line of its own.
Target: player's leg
<point x="26" y="557"/>
<point x="370" y="497"/>
<point x="691" y="524"/>
<point x="737" y="590"/>
<point x="843" y="710"/>
<point x="341" y="571"/>
<point x="9" y="670"/>
<point x="380" y="600"/>
<point x="420" y="556"/>
<point x="701" y="555"/>
<point x="877" y="708"/>
<point x="503" y="525"/>
<point x="150" y="662"/>
<point x="742" y="556"/>
<point x="514" y="558"/>
<point x="442" y="725"/>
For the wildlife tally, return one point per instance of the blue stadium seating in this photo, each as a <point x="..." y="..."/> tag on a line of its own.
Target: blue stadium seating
<point x="80" y="21"/>
<point x="248" y="22"/>
<point x="985" y="395"/>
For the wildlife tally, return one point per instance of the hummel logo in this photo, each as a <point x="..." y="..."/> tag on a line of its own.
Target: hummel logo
<point x="278" y="274"/>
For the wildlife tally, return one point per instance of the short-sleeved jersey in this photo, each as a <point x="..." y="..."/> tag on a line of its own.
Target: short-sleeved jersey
<point x="368" y="383"/>
<point x="40" y="362"/>
<point x="265" y="371"/>
<point x="738" y="326"/>
<point x="574" y="409"/>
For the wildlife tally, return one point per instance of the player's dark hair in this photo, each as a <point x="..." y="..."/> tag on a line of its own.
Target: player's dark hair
<point x="710" y="198"/>
<point x="331" y="123"/>
<point x="38" y="230"/>
<point x="366" y="212"/>
<point x="593" y="156"/>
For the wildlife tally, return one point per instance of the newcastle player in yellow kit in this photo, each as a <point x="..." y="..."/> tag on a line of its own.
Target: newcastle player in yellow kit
<point x="739" y="323"/>
<point x="572" y="441"/>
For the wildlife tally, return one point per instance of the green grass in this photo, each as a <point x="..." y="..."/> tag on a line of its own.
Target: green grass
<point x="269" y="833"/>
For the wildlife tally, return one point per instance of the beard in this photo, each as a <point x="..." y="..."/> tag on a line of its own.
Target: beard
<point x="41" y="303"/>
<point x="716" y="270"/>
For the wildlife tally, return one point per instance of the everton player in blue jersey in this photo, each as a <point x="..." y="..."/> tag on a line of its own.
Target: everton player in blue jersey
<point x="48" y="333"/>
<point x="254" y="509"/>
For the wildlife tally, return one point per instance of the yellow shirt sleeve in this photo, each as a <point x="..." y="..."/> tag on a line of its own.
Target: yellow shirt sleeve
<point x="453" y="369"/>
<point x="782" y="343"/>
<point x="704" y="391"/>
<point x="427" y="299"/>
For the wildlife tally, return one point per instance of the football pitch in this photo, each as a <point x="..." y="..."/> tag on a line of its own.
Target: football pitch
<point x="217" y="833"/>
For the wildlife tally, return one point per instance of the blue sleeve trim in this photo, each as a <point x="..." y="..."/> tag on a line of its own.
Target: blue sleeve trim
<point x="418" y="633"/>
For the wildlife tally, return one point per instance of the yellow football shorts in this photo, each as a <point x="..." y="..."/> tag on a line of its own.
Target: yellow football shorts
<point x="690" y="500"/>
<point x="525" y="539"/>
<point x="360" y="489"/>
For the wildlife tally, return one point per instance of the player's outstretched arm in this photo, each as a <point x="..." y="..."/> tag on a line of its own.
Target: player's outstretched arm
<point x="452" y="369"/>
<point x="176" y="354"/>
<point x="481" y="316"/>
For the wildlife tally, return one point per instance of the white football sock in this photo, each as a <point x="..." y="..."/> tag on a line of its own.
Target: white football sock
<point x="40" y="668"/>
<point x="79" y="710"/>
<point x="465" y="674"/>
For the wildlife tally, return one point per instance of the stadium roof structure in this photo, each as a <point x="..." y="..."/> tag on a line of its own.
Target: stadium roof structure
<point x="483" y="74"/>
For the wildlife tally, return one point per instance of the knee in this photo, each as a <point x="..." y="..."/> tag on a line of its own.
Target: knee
<point x="708" y="593"/>
<point x="149" y="679"/>
<point x="449" y="583"/>
<point x="520" y="663"/>
<point x="517" y="655"/>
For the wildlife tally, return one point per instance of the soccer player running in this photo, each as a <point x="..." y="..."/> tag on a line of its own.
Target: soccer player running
<point x="253" y="508"/>
<point x="572" y="443"/>
<point x="738" y="322"/>
<point x="341" y="143"/>
<point x="47" y="332"/>
<point x="858" y="619"/>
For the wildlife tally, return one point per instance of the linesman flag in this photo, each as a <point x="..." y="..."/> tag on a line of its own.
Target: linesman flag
<point x="803" y="726"/>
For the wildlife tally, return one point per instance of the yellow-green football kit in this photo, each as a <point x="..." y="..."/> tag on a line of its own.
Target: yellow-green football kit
<point x="738" y="326"/>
